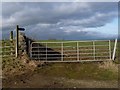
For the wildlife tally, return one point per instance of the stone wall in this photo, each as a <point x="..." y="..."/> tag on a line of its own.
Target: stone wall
<point x="24" y="44"/>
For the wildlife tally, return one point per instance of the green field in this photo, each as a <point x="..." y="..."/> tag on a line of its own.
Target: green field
<point x="70" y="43"/>
<point x="73" y="43"/>
<point x="86" y="71"/>
<point x="9" y="59"/>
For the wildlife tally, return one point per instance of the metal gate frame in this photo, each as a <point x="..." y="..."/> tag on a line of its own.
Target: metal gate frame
<point x="110" y="57"/>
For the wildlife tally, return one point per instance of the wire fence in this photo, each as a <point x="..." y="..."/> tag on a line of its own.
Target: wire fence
<point x="7" y="49"/>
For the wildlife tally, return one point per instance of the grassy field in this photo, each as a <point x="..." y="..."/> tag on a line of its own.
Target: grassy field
<point x="79" y="71"/>
<point x="81" y="43"/>
<point x="70" y="43"/>
<point x="103" y="74"/>
<point x="82" y="70"/>
<point x="66" y="44"/>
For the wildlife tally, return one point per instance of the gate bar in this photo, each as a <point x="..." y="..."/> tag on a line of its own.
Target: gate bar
<point x="110" y="49"/>
<point x="70" y="41"/>
<point x="94" y="49"/>
<point x="46" y="51"/>
<point x="77" y="51"/>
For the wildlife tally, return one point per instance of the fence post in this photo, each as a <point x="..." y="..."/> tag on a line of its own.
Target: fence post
<point x="110" y="49"/>
<point x="17" y="36"/>
<point x="77" y="51"/>
<point x="11" y="36"/>
<point x="11" y="43"/>
<point x="29" y="51"/>
<point x="114" y="51"/>
<point x="3" y="48"/>
<point x="94" y="49"/>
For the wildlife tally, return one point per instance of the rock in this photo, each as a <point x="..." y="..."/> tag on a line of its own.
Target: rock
<point x="32" y="65"/>
<point x="15" y="82"/>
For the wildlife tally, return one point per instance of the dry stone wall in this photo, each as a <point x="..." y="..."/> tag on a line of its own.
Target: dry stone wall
<point x="24" y="44"/>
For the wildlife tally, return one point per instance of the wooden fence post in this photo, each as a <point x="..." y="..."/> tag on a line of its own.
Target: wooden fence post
<point x="17" y="40"/>
<point x="11" y="43"/>
<point x="11" y="36"/>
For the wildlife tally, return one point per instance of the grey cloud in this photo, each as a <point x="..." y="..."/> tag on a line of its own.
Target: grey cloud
<point x="57" y="19"/>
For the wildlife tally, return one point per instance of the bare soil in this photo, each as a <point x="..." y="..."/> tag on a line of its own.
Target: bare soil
<point x="30" y="74"/>
<point x="42" y="80"/>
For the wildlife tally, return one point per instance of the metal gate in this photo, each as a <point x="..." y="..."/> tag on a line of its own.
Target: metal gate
<point x="71" y="51"/>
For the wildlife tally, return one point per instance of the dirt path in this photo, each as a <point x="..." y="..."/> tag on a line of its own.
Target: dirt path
<point x="40" y="81"/>
<point x="58" y="76"/>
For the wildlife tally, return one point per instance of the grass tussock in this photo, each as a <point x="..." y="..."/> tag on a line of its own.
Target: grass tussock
<point x="109" y="65"/>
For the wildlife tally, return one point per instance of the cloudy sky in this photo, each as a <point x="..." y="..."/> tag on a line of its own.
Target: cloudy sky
<point x="61" y="20"/>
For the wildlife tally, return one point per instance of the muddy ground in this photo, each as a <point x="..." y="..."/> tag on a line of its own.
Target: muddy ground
<point x="45" y="79"/>
<point x="40" y="81"/>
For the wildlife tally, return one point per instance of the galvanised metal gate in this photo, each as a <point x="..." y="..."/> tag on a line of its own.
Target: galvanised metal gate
<point x="71" y="51"/>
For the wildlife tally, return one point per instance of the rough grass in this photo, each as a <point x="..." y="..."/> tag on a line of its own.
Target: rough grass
<point x="17" y="66"/>
<point x="96" y="71"/>
<point x="109" y="66"/>
<point x="78" y="71"/>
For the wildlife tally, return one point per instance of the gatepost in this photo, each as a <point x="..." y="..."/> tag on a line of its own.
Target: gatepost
<point x="17" y="39"/>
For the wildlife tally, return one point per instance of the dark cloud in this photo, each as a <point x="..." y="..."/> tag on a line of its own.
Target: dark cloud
<point x="58" y="20"/>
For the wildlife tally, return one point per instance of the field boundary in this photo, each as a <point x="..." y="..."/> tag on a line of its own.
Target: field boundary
<point x="7" y="49"/>
<point x="71" y="51"/>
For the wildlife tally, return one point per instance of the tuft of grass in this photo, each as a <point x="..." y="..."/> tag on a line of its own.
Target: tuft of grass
<point x="109" y="65"/>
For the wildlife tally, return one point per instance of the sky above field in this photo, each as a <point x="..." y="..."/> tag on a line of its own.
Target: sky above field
<point x="61" y="20"/>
